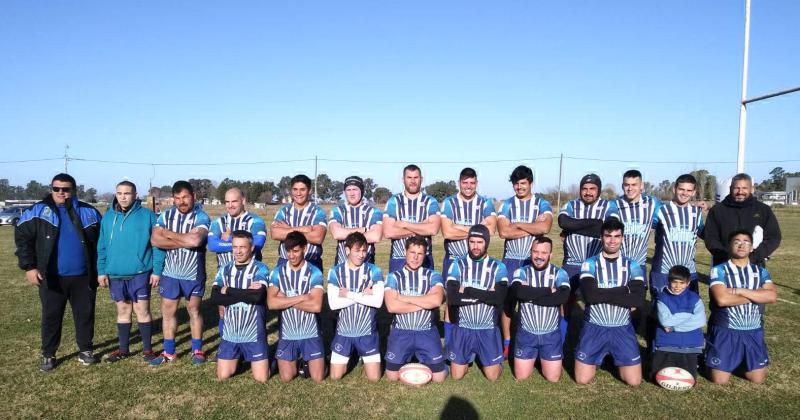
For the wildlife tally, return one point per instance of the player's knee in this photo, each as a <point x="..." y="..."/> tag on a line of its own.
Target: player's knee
<point x="552" y="377"/>
<point x="223" y="374"/>
<point x="634" y="381"/>
<point x="583" y="379"/>
<point x="286" y="376"/>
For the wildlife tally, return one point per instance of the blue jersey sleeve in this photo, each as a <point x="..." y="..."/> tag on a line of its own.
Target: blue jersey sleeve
<point x="259" y="231"/>
<point x="568" y="210"/>
<point x="333" y="278"/>
<point x="488" y="208"/>
<point x="718" y="276"/>
<point x="316" y="278"/>
<point x="280" y="216"/>
<point x="275" y="277"/>
<point x="656" y="210"/>
<point x="158" y="254"/>
<point x="505" y="209"/>
<point x="433" y="207"/>
<point x="391" y="281"/>
<point x="501" y="275"/>
<point x="336" y="215"/>
<point x="375" y="273"/>
<point x="454" y="273"/>
<point x="764" y="276"/>
<point x="612" y="210"/>
<point x="319" y="217"/>
<point x="520" y="276"/>
<point x="701" y="224"/>
<point x="447" y="208"/>
<point x="391" y="208"/>
<point x="637" y="273"/>
<point x="219" y="280"/>
<point x="202" y="220"/>
<point x="215" y="241"/>
<point x="262" y="274"/>
<point x="588" y="268"/>
<point x="545" y="207"/>
<point x="162" y="220"/>
<point x="436" y="278"/>
<point x="376" y="218"/>
<point x="562" y="278"/>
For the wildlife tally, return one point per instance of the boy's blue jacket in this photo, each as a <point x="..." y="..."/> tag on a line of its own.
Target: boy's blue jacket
<point x="124" y="246"/>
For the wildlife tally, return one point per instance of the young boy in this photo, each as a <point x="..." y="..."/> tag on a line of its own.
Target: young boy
<point x="681" y="317"/>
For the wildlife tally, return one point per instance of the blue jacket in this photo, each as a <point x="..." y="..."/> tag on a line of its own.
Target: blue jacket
<point x="124" y="246"/>
<point x="686" y="316"/>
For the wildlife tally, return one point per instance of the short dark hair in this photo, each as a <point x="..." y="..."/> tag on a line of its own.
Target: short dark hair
<point x="611" y="224"/>
<point x="301" y="178"/>
<point x="355" y="239"/>
<point x="242" y="234"/>
<point x="467" y="173"/>
<point x="413" y="168"/>
<point x="686" y="179"/>
<point x="679" y="272"/>
<point x="632" y="173"/>
<point x="542" y="240"/>
<point x="741" y="177"/>
<point x="294" y="239"/>
<point x="127" y="184"/>
<point x="62" y="177"/>
<point x="521" y="172"/>
<point x="179" y="186"/>
<point x="418" y="241"/>
<point x="740" y="232"/>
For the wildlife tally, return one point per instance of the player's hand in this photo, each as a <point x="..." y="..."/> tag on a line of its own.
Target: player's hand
<point x="225" y="235"/>
<point x="281" y="294"/>
<point x="154" y="280"/>
<point x="368" y="290"/>
<point x="461" y="289"/>
<point x="343" y="292"/>
<point x="667" y="329"/>
<point x="102" y="280"/>
<point x="34" y="277"/>
<point x="255" y="286"/>
<point x="541" y="218"/>
<point x="701" y="204"/>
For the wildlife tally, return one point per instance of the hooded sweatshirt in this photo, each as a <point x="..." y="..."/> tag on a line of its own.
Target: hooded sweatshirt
<point x="124" y="248"/>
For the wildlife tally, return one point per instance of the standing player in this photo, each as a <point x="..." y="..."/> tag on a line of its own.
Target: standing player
<point x="182" y="232"/>
<point x="541" y="288"/>
<point x="639" y="213"/>
<point x="611" y="285"/>
<point x="129" y="265"/>
<point x="410" y="213"/>
<point x="295" y="289"/>
<point x="522" y="218"/>
<point x="240" y="286"/>
<point x="476" y="288"/>
<point x="302" y="216"/>
<point x="679" y="224"/>
<point x="355" y="215"/>
<point x="356" y="287"/>
<point x="413" y="294"/>
<point x="739" y="290"/>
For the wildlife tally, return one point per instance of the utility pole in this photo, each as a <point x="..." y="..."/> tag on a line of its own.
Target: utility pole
<point x="560" y="176"/>
<point x="66" y="159"/>
<point x="316" y="200"/>
<point x="743" y="104"/>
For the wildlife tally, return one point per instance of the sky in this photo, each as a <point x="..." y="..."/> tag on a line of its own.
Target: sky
<point x="258" y="90"/>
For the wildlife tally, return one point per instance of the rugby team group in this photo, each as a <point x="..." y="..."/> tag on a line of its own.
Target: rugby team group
<point x="68" y="249"/>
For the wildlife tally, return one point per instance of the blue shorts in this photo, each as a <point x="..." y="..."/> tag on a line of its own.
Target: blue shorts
<point x="546" y="346"/>
<point x="574" y="274"/>
<point x="466" y="343"/>
<point x="396" y="264"/>
<point x="727" y="348"/>
<point x="658" y="281"/>
<point x="250" y="352"/>
<point x="171" y="288"/>
<point x="307" y="348"/>
<point x="425" y="345"/>
<point x="316" y="262"/>
<point x="366" y="345"/>
<point x="129" y="289"/>
<point x="595" y="342"/>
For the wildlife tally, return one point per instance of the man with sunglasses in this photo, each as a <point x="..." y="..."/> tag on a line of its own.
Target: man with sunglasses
<point x="56" y="243"/>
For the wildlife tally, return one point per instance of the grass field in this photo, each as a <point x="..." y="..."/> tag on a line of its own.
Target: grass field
<point x="133" y="390"/>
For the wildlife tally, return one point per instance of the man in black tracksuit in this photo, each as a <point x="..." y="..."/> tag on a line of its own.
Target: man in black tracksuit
<point x="56" y="243"/>
<point x="740" y="210"/>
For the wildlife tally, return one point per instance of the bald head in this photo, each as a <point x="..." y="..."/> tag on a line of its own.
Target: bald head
<point x="234" y="201"/>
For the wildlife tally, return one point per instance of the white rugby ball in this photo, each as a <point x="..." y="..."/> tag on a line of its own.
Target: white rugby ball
<point x="415" y="374"/>
<point x="675" y="379"/>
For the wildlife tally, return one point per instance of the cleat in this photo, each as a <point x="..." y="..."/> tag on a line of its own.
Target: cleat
<point x="48" y="363"/>
<point x="198" y="357"/>
<point x="87" y="358"/>
<point x="163" y="358"/>
<point x="116" y="356"/>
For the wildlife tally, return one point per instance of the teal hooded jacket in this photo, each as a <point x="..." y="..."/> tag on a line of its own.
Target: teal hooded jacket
<point x="123" y="248"/>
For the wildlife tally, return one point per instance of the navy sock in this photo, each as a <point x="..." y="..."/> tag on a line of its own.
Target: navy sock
<point x="146" y="330"/>
<point x="124" y="334"/>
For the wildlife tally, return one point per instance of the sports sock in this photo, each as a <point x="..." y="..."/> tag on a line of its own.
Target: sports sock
<point x="124" y="334"/>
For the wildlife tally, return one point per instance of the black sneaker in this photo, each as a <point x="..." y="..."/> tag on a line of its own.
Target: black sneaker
<point x="48" y="363"/>
<point x="116" y="356"/>
<point x="302" y="369"/>
<point x="87" y="358"/>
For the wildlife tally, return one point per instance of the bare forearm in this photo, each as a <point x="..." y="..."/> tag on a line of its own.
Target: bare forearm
<point x="315" y="234"/>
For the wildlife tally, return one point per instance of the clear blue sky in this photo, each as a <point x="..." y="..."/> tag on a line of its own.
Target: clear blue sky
<point x="411" y="81"/>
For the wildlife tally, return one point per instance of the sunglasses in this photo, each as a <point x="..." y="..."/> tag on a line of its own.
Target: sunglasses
<point x="62" y="189"/>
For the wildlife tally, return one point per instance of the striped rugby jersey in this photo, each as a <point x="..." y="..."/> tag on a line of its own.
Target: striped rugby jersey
<point x="639" y="218"/>
<point x="578" y="248"/>
<point x="482" y="274"/>
<point x="185" y="263"/>
<point x="610" y="273"/>
<point x="533" y="318"/>
<point x="244" y="323"/>
<point x="363" y="215"/>
<point x="414" y="283"/>
<point x="413" y="210"/>
<point x="748" y="316"/>
<point x="296" y="324"/>
<point x="517" y="210"/>
<point x="676" y="236"/>
<point x="355" y="320"/>
<point x="310" y="215"/>
<point x="250" y="222"/>
<point x="467" y="213"/>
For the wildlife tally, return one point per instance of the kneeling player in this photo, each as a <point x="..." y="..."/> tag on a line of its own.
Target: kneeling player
<point x="413" y="293"/>
<point x="540" y="288"/>
<point x="739" y="290"/>
<point x="295" y="289"/>
<point x="240" y="287"/>
<point x="476" y="287"/>
<point x="356" y="287"/>
<point x="611" y="285"/>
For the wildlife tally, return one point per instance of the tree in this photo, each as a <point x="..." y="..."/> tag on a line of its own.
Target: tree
<point x="89" y="195"/>
<point x="5" y="189"/>
<point x="664" y="190"/>
<point x="381" y="195"/>
<point x="285" y="187"/>
<point x="203" y="188"/>
<point x="34" y="190"/>
<point x="369" y="188"/>
<point x="609" y="192"/>
<point x="324" y="187"/>
<point x="441" y="190"/>
<point x="706" y="184"/>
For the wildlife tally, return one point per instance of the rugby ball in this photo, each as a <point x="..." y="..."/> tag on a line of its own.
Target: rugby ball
<point x="675" y="379"/>
<point x="415" y="374"/>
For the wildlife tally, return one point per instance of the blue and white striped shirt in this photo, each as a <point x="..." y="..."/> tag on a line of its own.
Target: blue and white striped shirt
<point x="310" y="215"/>
<point x="185" y="263"/>
<point x="747" y="316"/>
<point x="533" y="318"/>
<point x="297" y="324"/>
<point x="412" y="210"/>
<point x="244" y="323"/>
<point x="466" y="213"/>
<point x="356" y="320"/>
<point x="578" y="248"/>
<point x="482" y="274"/>
<point x="517" y="210"/>
<point x="363" y="215"/>
<point x="414" y="283"/>
<point x="250" y="222"/>
<point x="676" y="236"/>
<point x="610" y="273"/>
<point x="639" y="218"/>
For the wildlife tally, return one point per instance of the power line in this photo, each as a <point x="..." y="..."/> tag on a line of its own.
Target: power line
<point x="31" y="160"/>
<point x="189" y="163"/>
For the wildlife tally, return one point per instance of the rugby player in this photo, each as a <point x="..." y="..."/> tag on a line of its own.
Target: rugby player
<point x="301" y="216"/>
<point x="355" y="215"/>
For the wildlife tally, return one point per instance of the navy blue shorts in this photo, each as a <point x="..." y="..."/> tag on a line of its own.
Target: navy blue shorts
<point x="727" y="348"/>
<point x="171" y="288"/>
<point x="396" y="264"/>
<point x="574" y="274"/>
<point x="129" y="289"/>
<point x="366" y="345"/>
<point x="595" y="342"/>
<point x="307" y="348"/>
<point x="250" y="352"/>
<point x="658" y="281"/>
<point x="546" y="346"/>
<point x="425" y="345"/>
<point x="466" y="343"/>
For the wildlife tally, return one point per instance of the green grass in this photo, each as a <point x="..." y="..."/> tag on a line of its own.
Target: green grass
<point x="132" y="389"/>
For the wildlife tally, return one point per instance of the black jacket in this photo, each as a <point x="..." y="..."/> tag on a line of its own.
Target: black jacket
<point x="729" y="216"/>
<point x="36" y="234"/>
